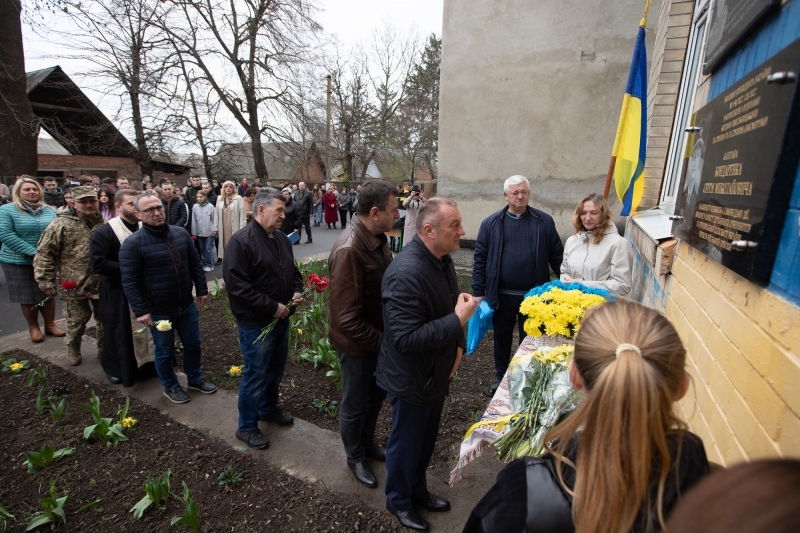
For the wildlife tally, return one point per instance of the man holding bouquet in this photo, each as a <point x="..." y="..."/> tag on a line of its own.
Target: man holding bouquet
<point x="261" y="279"/>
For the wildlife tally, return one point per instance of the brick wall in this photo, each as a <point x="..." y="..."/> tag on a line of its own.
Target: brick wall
<point x="744" y="358"/>
<point x="669" y="51"/>
<point x="80" y="164"/>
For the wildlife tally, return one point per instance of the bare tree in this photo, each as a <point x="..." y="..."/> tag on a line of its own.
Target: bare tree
<point x="124" y="44"/>
<point x="246" y="51"/>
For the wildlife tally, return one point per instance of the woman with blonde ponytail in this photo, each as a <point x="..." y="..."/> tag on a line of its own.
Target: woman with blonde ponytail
<point x="621" y="461"/>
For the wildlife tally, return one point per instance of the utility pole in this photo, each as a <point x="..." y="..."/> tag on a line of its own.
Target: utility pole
<point x="328" y="141"/>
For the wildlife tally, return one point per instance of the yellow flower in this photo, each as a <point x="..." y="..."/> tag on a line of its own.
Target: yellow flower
<point x="16" y="366"/>
<point x="235" y="371"/>
<point x="164" y="325"/>
<point x="128" y="422"/>
<point x="299" y="331"/>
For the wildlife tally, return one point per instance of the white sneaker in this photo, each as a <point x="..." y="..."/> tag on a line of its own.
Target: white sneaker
<point x="208" y="269"/>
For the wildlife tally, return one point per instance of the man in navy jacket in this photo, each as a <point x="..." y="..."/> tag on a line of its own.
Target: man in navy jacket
<point x="159" y="265"/>
<point x="516" y="248"/>
<point x="423" y="340"/>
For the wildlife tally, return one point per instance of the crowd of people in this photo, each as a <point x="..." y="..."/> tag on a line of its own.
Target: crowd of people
<point x="621" y="462"/>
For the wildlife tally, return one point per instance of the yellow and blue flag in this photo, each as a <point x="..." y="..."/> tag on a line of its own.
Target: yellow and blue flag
<point x="630" y="144"/>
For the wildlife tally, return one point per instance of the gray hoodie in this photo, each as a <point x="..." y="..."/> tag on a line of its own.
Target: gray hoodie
<point x="605" y="265"/>
<point x="203" y="219"/>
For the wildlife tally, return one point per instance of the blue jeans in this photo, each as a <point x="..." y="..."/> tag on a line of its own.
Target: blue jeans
<point x="187" y="323"/>
<point x="318" y="214"/>
<point x="264" y="363"/>
<point x="207" y="250"/>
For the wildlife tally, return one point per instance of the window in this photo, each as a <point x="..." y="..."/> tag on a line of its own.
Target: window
<point x="685" y="106"/>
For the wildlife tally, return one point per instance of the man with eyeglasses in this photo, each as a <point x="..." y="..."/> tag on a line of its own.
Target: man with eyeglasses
<point x="65" y="244"/>
<point x="160" y="266"/>
<point x="516" y="248"/>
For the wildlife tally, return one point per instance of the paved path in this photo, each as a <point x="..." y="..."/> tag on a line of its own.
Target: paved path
<point x="303" y="450"/>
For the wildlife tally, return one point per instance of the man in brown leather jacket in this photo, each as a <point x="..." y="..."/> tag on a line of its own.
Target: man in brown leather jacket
<point x="357" y="263"/>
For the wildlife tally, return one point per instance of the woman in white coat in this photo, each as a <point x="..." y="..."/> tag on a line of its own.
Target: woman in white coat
<point x="230" y="216"/>
<point x="597" y="255"/>
<point x="412" y="204"/>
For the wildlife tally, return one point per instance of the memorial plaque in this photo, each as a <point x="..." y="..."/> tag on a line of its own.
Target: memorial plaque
<point x="732" y="22"/>
<point x="741" y="166"/>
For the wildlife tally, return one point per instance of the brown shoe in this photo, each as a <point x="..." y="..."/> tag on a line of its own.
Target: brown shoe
<point x="36" y="333"/>
<point x="74" y="356"/>
<point x="51" y="329"/>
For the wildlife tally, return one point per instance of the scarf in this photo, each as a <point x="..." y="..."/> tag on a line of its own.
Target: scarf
<point x="33" y="209"/>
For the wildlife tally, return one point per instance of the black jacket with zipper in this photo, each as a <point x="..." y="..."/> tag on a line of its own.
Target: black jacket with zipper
<point x="421" y="331"/>
<point x="159" y="266"/>
<point x="259" y="273"/>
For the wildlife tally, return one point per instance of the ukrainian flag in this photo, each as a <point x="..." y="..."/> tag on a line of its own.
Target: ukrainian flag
<point x="630" y="145"/>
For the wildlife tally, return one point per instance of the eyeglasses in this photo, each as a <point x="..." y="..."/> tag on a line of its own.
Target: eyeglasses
<point x="151" y="210"/>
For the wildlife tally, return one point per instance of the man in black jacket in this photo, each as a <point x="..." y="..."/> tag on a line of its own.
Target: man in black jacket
<point x="175" y="210"/>
<point x="306" y="204"/>
<point x="423" y="340"/>
<point x="260" y="275"/>
<point x="159" y="265"/>
<point x="292" y="217"/>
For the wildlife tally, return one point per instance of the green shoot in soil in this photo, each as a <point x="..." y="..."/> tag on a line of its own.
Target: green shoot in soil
<point x="190" y="519"/>
<point x="53" y="506"/>
<point x="44" y="458"/>
<point x="156" y="491"/>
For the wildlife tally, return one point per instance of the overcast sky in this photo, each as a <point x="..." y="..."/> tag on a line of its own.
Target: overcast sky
<point x="352" y="21"/>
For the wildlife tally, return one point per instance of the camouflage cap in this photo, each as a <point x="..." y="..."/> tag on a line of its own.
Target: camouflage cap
<point x="84" y="191"/>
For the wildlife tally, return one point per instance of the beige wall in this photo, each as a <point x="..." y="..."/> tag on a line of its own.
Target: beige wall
<point x="744" y="351"/>
<point x="532" y="88"/>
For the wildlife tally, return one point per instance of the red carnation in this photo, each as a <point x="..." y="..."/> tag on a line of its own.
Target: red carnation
<point x="68" y="285"/>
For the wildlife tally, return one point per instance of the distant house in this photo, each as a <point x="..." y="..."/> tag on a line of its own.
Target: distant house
<point x="82" y="140"/>
<point x="286" y="162"/>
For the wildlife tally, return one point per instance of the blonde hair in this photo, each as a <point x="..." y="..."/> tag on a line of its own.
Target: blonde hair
<point x="222" y="189"/>
<point x="605" y="216"/>
<point x="15" y="191"/>
<point x="621" y="428"/>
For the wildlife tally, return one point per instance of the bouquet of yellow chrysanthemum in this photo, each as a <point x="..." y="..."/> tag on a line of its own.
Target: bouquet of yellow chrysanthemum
<point x="540" y="393"/>
<point x="556" y="308"/>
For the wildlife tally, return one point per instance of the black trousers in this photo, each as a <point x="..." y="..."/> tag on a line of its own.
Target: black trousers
<point x="409" y="451"/>
<point x="505" y="317"/>
<point x="307" y="224"/>
<point x="362" y="400"/>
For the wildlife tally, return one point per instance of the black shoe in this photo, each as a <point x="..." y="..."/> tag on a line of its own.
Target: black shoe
<point x="203" y="386"/>
<point x="363" y="474"/>
<point x="219" y="262"/>
<point x="278" y="416"/>
<point x="308" y="241"/>
<point x="256" y="439"/>
<point x="374" y="451"/>
<point x="493" y="388"/>
<point x="114" y="380"/>
<point x="410" y="519"/>
<point x="177" y="395"/>
<point x="433" y="503"/>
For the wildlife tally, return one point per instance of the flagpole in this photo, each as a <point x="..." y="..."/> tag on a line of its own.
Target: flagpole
<point x="610" y="175"/>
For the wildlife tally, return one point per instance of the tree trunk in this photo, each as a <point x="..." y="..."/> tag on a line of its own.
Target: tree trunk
<point x="348" y="153"/>
<point x="145" y="161"/>
<point x="19" y="127"/>
<point x="255" y="137"/>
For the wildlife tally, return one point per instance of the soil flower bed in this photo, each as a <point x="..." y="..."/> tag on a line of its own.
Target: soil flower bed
<point x="104" y="482"/>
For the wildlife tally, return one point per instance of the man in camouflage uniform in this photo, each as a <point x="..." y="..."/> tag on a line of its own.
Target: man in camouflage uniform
<point x="64" y="246"/>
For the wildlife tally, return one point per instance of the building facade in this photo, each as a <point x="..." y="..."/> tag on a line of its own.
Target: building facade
<point x="743" y="337"/>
